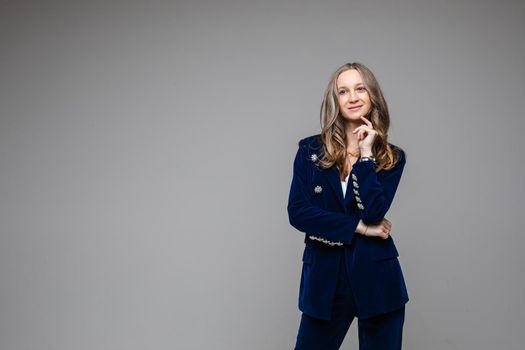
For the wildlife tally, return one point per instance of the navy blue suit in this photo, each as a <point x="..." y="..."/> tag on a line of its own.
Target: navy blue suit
<point x="317" y="207"/>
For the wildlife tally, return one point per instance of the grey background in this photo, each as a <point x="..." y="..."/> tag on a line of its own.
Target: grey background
<point x="146" y="153"/>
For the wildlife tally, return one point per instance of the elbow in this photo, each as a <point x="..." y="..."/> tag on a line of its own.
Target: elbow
<point x="294" y="217"/>
<point x="294" y="224"/>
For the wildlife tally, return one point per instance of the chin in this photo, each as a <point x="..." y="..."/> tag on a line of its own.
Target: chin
<point x="353" y="118"/>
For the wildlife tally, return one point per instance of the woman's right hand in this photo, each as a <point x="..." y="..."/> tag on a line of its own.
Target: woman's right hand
<point x="381" y="230"/>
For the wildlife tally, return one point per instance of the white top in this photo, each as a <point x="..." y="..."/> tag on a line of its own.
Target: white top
<point x="344" y="183"/>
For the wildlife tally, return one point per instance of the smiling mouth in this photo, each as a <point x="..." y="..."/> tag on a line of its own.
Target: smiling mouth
<point x="355" y="108"/>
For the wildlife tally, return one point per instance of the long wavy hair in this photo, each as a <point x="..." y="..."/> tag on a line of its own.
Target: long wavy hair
<point x="333" y="134"/>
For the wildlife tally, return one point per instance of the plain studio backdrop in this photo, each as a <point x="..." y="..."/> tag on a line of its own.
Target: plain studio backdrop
<point x="146" y="153"/>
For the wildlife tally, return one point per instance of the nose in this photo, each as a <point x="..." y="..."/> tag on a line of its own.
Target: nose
<point x="352" y="96"/>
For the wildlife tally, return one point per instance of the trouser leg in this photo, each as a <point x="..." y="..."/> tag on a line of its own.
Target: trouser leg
<point x="382" y="332"/>
<point x="317" y="334"/>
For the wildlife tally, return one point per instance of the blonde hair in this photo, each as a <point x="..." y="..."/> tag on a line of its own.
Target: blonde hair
<point x="333" y="133"/>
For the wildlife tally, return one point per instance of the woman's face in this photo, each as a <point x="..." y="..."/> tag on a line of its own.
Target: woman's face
<point x="354" y="100"/>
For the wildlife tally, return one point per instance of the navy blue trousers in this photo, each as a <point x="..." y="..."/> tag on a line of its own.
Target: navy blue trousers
<point x="382" y="332"/>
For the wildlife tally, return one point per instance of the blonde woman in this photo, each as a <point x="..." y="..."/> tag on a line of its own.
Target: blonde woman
<point x="344" y="181"/>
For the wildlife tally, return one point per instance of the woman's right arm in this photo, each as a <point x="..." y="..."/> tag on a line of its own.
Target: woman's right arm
<point x="332" y="227"/>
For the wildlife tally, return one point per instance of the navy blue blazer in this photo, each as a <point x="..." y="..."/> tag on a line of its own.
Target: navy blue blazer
<point x="316" y="206"/>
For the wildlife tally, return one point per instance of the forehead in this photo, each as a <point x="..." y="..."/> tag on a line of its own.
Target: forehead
<point x="350" y="77"/>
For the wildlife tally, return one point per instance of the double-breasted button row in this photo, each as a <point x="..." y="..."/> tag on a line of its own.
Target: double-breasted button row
<point x="325" y="241"/>
<point x="356" y="192"/>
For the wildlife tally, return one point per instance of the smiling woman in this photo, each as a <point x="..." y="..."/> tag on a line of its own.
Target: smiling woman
<point x="350" y="261"/>
<point x="354" y="100"/>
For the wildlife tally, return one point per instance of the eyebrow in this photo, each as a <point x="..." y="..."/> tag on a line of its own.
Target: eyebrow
<point x="344" y="86"/>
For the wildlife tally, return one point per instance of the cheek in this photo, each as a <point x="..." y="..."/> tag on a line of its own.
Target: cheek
<point x="367" y="109"/>
<point x="368" y="104"/>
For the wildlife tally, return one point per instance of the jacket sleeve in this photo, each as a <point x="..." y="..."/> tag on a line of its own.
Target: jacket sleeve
<point x="373" y="191"/>
<point x="328" y="226"/>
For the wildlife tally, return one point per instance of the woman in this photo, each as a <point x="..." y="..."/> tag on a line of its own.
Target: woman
<point x="350" y="265"/>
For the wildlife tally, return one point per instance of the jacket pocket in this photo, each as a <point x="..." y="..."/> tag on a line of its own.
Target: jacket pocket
<point x="386" y="256"/>
<point x="385" y="252"/>
<point x="376" y="249"/>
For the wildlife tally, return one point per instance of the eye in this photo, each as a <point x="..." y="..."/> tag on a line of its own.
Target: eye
<point x="361" y="88"/>
<point x="341" y="92"/>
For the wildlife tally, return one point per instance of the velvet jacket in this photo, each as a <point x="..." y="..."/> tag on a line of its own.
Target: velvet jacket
<point x="317" y="208"/>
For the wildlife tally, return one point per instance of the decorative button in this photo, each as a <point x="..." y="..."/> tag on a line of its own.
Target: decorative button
<point x="356" y="192"/>
<point x="360" y="206"/>
<point x="318" y="189"/>
<point x="358" y="199"/>
<point x="313" y="157"/>
<point x="355" y="184"/>
<point x="325" y="241"/>
<point x="354" y="177"/>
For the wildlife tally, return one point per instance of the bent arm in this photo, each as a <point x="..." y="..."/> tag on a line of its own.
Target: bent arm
<point x="374" y="192"/>
<point x="310" y="219"/>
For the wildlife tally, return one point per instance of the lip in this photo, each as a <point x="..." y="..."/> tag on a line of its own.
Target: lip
<point x="355" y="108"/>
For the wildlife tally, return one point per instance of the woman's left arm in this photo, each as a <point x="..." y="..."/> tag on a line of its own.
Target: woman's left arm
<point x="373" y="191"/>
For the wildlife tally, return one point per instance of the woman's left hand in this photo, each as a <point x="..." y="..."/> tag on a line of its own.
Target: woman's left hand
<point x="365" y="135"/>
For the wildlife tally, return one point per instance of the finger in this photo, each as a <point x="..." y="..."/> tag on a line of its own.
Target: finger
<point x="368" y="131"/>
<point x="363" y="127"/>
<point x="368" y="122"/>
<point x="357" y="129"/>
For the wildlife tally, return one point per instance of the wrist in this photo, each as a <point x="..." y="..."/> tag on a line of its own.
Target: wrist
<point x="368" y="160"/>
<point x="362" y="228"/>
<point x="366" y="153"/>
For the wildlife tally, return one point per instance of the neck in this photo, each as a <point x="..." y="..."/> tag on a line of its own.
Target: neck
<point x="352" y="144"/>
